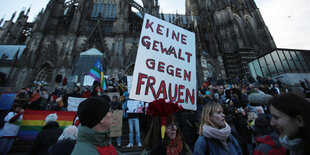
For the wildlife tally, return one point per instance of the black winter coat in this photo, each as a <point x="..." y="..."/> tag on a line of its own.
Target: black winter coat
<point x="62" y="147"/>
<point x="45" y="138"/>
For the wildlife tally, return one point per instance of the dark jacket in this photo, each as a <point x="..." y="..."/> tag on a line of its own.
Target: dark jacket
<point x="160" y="149"/>
<point x="45" y="138"/>
<point x="62" y="147"/>
<point x="269" y="145"/>
<point x="91" y="142"/>
<point x="116" y="105"/>
<point x="216" y="147"/>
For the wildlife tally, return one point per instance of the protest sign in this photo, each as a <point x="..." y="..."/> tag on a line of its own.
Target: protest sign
<point x="129" y="81"/>
<point x="74" y="102"/>
<point x="135" y="106"/>
<point x="88" y="80"/>
<point x="7" y="100"/>
<point x="165" y="66"/>
<point x="117" y="122"/>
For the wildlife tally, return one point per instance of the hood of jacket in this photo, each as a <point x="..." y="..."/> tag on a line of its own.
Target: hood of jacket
<point x="270" y="139"/>
<point x="85" y="134"/>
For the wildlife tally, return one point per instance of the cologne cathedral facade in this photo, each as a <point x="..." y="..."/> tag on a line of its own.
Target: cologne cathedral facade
<point x="229" y="33"/>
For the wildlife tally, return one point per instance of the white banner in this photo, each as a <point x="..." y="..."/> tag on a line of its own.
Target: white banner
<point x="88" y="80"/>
<point x="129" y="81"/>
<point x="135" y="106"/>
<point x="74" y="102"/>
<point x="165" y="66"/>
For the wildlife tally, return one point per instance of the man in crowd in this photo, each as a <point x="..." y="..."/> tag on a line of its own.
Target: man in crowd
<point x="95" y="116"/>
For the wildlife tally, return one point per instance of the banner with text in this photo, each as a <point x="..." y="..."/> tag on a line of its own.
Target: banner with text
<point x="166" y="64"/>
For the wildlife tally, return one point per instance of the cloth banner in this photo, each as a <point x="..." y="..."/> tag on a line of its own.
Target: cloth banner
<point x="6" y="101"/>
<point x="117" y="123"/>
<point x="74" y="102"/>
<point x="34" y="120"/>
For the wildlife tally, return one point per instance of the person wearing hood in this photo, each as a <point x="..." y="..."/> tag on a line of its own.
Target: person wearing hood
<point x="95" y="116"/>
<point x="47" y="137"/>
<point x="267" y="141"/>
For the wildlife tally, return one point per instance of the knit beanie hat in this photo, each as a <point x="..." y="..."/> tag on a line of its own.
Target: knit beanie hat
<point x="261" y="125"/>
<point x="92" y="110"/>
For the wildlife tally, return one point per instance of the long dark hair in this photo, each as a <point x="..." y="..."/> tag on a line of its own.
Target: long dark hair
<point x="293" y="105"/>
<point x="154" y="135"/>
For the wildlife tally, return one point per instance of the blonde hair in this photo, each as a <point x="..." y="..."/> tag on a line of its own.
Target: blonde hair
<point x="252" y="116"/>
<point x="207" y="111"/>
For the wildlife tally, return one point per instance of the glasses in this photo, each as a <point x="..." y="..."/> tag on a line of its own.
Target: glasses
<point x="174" y="125"/>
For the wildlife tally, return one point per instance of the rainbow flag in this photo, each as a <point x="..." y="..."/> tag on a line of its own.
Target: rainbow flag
<point x="97" y="73"/>
<point x="34" y="120"/>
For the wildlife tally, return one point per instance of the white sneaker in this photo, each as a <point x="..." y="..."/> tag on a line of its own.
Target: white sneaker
<point x="139" y="144"/>
<point x="130" y="145"/>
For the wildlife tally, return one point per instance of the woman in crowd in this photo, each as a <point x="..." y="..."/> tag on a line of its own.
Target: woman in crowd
<point x="215" y="134"/>
<point x="173" y="142"/>
<point x="290" y="116"/>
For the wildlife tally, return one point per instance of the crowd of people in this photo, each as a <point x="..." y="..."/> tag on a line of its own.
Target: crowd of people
<point x="235" y="116"/>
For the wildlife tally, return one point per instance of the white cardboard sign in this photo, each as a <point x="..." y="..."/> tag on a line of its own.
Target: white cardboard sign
<point x="74" y="102"/>
<point x="165" y="65"/>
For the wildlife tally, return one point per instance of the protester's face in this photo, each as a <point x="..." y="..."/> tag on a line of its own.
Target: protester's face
<point x="171" y="131"/>
<point x="218" y="119"/>
<point x="107" y="120"/>
<point x="286" y="125"/>
<point x="114" y="99"/>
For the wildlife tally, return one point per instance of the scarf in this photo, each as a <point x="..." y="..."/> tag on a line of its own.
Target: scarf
<point x="295" y="146"/>
<point x="220" y="134"/>
<point x="175" y="147"/>
<point x="34" y="97"/>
